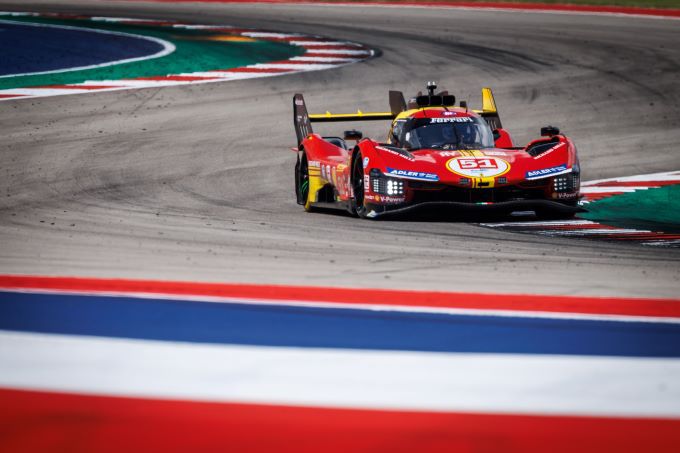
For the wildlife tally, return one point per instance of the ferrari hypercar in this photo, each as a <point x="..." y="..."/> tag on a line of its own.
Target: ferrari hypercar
<point x="437" y="155"/>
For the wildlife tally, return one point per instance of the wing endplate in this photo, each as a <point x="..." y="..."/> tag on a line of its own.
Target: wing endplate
<point x="489" y="111"/>
<point x="303" y="125"/>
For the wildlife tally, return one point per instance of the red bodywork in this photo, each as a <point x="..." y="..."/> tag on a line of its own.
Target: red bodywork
<point x="543" y="176"/>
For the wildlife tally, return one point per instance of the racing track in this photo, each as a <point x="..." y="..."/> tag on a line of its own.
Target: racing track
<point x="195" y="183"/>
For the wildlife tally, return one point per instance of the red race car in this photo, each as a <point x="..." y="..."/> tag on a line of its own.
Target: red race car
<point x="437" y="155"/>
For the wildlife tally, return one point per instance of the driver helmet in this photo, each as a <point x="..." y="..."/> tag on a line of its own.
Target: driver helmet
<point x="468" y="134"/>
<point x="447" y="133"/>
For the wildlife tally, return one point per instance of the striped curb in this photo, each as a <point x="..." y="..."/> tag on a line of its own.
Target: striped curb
<point x="320" y="53"/>
<point x="507" y="6"/>
<point x="599" y="190"/>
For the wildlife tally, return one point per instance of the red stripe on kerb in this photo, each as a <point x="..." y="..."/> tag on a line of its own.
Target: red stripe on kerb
<point x="177" y="78"/>
<point x="55" y="422"/>
<point x="259" y="70"/>
<point x="6" y="96"/>
<point x="349" y="296"/>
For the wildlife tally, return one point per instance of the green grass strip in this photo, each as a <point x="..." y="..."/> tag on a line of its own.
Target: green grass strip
<point x="652" y="209"/>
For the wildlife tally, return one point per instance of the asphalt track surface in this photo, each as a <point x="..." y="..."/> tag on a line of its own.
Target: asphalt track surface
<point x="196" y="183"/>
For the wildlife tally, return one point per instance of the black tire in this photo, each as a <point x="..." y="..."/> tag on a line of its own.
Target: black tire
<point x="358" y="185"/>
<point x="302" y="183"/>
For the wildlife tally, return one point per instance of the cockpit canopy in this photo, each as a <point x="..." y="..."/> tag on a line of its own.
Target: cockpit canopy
<point x="455" y="132"/>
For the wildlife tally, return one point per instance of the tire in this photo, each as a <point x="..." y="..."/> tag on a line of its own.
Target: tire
<point x="302" y="183"/>
<point x="358" y="185"/>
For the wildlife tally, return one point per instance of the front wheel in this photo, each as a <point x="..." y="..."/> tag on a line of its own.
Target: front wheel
<point x="358" y="185"/>
<point x="302" y="183"/>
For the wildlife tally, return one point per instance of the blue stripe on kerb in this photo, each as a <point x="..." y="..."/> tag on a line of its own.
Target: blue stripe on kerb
<point x="279" y="325"/>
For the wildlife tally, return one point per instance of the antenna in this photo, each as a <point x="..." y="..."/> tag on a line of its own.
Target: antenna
<point x="431" y="86"/>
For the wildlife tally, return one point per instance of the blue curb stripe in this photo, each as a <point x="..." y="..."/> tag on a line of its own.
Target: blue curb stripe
<point x="34" y="48"/>
<point x="276" y="325"/>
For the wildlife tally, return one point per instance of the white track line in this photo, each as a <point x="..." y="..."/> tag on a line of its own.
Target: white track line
<point x="397" y="380"/>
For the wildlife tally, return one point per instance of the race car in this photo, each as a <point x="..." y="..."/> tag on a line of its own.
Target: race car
<point x="437" y="155"/>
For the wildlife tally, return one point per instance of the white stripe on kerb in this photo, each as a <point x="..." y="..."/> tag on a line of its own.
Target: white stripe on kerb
<point x="608" y="189"/>
<point x="664" y="176"/>
<point x="498" y="383"/>
<point x="297" y="67"/>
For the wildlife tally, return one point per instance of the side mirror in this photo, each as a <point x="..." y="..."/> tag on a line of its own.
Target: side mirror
<point x="549" y="131"/>
<point x="353" y="135"/>
<point x="502" y="138"/>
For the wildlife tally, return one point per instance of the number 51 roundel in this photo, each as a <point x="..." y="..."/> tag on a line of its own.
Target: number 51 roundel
<point x="478" y="167"/>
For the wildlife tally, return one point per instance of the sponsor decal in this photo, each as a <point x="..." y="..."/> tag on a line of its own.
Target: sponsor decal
<point x="564" y="196"/>
<point x="495" y="153"/>
<point x="478" y="167"/>
<point x="549" y="151"/>
<point x="314" y="163"/>
<point x="449" y="113"/>
<point x="367" y="184"/>
<point x="449" y="153"/>
<point x="396" y="153"/>
<point x="536" y="174"/>
<point x="299" y="102"/>
<point x="460" y="119"/>
<point x="390" y="200"/>
<point x="423" y="176"/>
<point x="366" y="161"/>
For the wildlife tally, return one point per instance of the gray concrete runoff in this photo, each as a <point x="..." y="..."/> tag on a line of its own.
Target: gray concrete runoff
<point x="196" y="183"/>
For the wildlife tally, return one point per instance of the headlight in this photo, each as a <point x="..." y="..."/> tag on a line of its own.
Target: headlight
<point x="565" y="183"/>
<point x="387" y="186"/>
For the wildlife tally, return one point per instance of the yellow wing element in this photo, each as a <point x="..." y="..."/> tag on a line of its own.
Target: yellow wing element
<point x="329" y="117"/>
<point x="488" y="102"/>
<point x="489" y="111"/>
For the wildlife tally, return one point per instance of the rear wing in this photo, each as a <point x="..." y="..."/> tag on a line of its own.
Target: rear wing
<point x="303" y="120"/>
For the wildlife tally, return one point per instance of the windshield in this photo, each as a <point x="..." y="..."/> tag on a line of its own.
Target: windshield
<point x="447" y="133"/>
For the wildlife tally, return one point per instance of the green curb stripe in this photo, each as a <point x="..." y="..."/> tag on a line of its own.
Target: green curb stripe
<point x="656" y="209"/>
<point x="643" y="209"/>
